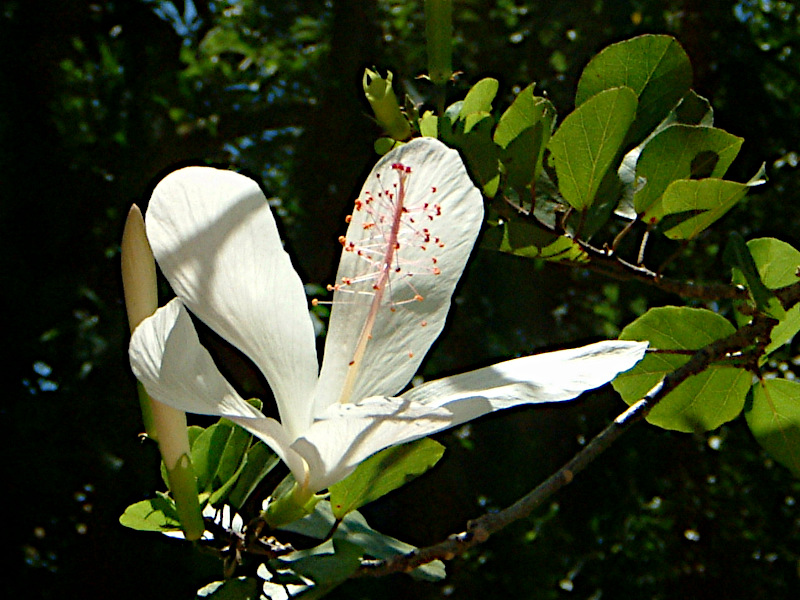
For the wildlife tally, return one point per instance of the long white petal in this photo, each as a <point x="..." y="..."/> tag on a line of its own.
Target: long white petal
<point x="549" y="377"/>
<point x="215" y="239"/>
<point x="405" y="249"/>
<point x="346" y="434"/>
<point x="349" y="433"/>
<point x="175" y="369"/>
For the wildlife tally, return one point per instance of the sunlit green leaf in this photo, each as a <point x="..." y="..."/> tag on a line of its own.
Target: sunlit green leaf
<point x="479" y="98"/>
<point x="704" y="401"/>
<point x="523" y="133"/>
<point x="680" y="152"/>
<point x="702" y="200"/>
<point x="589" y="142"/>
<point x="655" y="67"/>
<point x="383" y="472"/>
<point x="522" y="238"/>
<point x="156" y="514"/>
<point x="774" y="419"/>
<point x="777" y="263"/>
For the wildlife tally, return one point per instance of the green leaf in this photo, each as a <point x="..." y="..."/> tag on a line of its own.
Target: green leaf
<point x="589" y="142"/>
<point x="702" y="201"/>
<point x="479" y="98"/>
<point x="237" y="588"/>
<point x="655" y="67"/>
<point x="259" y="461"/>
<point x="680" y="152"/>
<point x="521" y="238"/>
<point x="738" y="257"/>
<point x="429" y="125"/>
<point x="383" y="472"/>
<point x="327" y="565"/>
<point x="777" y="263"/>
<point x="774" y="419"/>
<point x="704" y="401"/>
<point x="156" y="514"/>
<point x="354" y="529"/>
<point x="478" y="150"/>
<point x="523" y="132"/>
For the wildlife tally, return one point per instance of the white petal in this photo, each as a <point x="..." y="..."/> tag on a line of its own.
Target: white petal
<point x="175" y="369"/>
<point x="550" y="377"/>
<point x="215" y="239"/>
<point x="441" y="216"/>
<point x="349" y="433"/>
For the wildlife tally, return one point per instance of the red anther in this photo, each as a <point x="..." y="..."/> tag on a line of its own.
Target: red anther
<point x="342" y="240"/>
<point x="375" y="286"/>
<point x="348" y="218"/>
<point x="397" y="269"/>
<point x="368" y="225"/>
<point x="433" y="189"/>
<point x="347" y="281"/>
<point x="410" y="355"/>
<point x="397" y="245"/>
<point x="437" y="271"/>
<point x="418" y="297"/>
<point x="434" y="260"/>
<point x="351" y="363"/>
<point x="423" y="324"/>
<point x="359" y="204"/>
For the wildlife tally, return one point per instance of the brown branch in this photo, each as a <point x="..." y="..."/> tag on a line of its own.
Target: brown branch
<point x="480" y="529"/>
<point x="611" y="265"/>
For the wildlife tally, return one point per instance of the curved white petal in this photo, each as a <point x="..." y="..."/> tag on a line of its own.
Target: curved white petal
<point x="410" y="236"/>
<point x="215" y="239"/>
<point x="175" y="369"/>
<point x="549" y="377"/>
<point x="349" y="433"/>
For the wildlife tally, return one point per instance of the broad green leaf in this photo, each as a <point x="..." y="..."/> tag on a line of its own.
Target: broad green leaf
<point x="384" y="145"/>
<point x="523" y="133"/>
<point x="655" y="67"/>
<point x="777" y="263"/>
<point x="680" y="152"/>
<point x="479" y="98"/>
<point x="236" y="588"/>
<point x="589" y="142"/>
<point x="738" y="257"/>
<point x="260" y="460"/>
<point x="327" y="565"/>
<point x="774" y="419"/>
<point x="354" y="529"/>
<point x="521" y="238"/>
<point x="429" y="125"/>
<point x="479" y="152"/>
<point x="383" y="472"/>
<point x="156" y="514"/>
<point x="704" y="401"/>
<point x="702" y="200"/>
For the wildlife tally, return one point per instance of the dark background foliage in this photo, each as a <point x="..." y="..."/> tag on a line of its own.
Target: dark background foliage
<point x="99" y="99"/>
